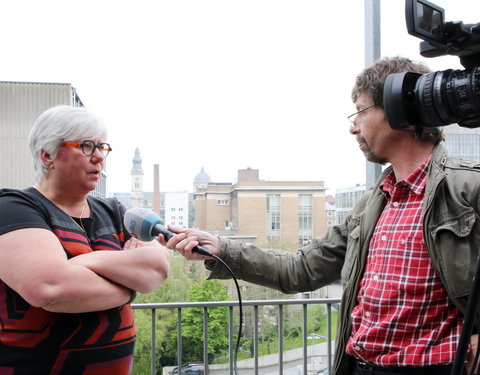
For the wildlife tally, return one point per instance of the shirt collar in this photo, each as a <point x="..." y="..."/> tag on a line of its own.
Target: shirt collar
<point x="415" y="181"/>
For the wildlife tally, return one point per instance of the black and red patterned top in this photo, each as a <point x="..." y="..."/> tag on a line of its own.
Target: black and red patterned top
<point x="35" y="341"/>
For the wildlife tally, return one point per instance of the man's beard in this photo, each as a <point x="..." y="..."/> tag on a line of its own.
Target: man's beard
<point x="369" y="154"/>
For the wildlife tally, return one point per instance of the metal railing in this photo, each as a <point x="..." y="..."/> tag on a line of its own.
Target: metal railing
<point x="328" y="302"/>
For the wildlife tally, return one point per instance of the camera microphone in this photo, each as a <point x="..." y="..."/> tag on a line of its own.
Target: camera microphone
<point x="146" y="225"/>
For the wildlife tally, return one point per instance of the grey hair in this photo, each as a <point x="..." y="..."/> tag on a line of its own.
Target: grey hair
<point x="60" y="124"/>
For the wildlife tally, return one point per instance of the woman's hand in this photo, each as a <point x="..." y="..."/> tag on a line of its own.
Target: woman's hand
<point x="133" y="243"/>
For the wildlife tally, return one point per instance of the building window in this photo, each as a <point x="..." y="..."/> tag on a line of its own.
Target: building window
<point x="305" y="225"/>
<point x="273" y="215"/>
<point x="222" y="202"/>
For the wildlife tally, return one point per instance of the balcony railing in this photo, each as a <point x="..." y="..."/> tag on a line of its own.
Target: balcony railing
<point x="280" y="361"/>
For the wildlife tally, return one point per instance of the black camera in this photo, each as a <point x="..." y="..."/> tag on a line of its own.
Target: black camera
<point x="439" y="98"/>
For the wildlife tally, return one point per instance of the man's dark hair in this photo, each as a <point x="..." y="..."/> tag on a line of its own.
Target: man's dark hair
<point x="372" y="79"/>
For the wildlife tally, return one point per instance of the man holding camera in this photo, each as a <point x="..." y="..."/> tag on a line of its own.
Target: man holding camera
<point x="406" y="253"/>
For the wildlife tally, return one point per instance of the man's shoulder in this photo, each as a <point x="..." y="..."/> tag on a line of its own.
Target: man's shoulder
<point x="443" y="160"/>
<point x="462" y="164"/>
<point x="461" y="176"/>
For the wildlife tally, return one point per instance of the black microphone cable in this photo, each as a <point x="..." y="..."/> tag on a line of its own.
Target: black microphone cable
<point x="240" y="324"/>
<point x="153" y="229"/>
<point x="167" y="234"/>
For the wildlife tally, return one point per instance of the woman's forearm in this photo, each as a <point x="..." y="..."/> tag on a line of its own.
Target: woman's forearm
<point x="141" y="269"/>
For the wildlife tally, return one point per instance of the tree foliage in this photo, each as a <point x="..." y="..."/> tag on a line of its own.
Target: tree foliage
<point x="186" y="283"/>
<point x="175" y="288"/>
<point x="192" y="322"/>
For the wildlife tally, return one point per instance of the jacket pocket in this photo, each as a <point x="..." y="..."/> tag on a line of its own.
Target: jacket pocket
<point x="457" y="241"/>
<point x="352" y="250"/>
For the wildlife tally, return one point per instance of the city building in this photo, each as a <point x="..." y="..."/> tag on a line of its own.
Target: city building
<point x="201" y="180"/>
<point x="136" y="174"/>
<point x="156" y="199"/>
<point x="276" y="213"/>
<point x="172" y="207"/>
<point x="330" y="210"/>
<point x="461" y="142"/>
<point x="345" y="200"/>
<point x="176" y="210"/>
<point x="137" y="197"/>
<point x="20" y="105"/>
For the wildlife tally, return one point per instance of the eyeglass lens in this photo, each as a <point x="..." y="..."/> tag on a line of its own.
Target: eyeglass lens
<point x="361" y="113"/>
<point x="88" y="148"/>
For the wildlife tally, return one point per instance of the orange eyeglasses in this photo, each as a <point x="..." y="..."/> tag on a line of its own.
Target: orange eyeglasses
<point x="88" y="147"/>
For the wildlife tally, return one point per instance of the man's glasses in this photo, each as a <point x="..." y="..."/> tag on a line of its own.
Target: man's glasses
<point x="362" y="112"/>
<point x="88" y="147"/>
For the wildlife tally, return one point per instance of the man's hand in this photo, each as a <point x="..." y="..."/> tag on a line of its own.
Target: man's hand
<point x="471" y="355"/>
<point x="186" y="239"/>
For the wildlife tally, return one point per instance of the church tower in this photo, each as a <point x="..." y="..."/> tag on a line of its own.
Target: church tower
<point x="137" y="180"/>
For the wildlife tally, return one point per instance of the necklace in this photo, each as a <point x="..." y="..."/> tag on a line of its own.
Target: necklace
<point x="80" y="219"/>
<point x="40" y="190"/>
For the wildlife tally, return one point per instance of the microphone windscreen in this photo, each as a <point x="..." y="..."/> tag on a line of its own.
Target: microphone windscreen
<point x="140" y="223"/>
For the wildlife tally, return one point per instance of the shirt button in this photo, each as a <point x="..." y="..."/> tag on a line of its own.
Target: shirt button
<point x="375" y="277"/>
<point x="464" y="229"/>
<point x="367" y="314"/>
<point x="395" y="204"/>
<point x="384" y="238"/>
<point x="357" y="348"/>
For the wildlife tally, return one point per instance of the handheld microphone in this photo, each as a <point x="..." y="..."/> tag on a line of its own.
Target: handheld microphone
<point x="146" y="225"/>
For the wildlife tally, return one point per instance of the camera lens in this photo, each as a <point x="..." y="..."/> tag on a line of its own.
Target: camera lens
<point x="433" y="99"/>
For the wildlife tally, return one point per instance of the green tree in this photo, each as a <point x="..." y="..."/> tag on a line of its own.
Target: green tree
<point x="175" y="288"/>
<point x="192" y="322"/>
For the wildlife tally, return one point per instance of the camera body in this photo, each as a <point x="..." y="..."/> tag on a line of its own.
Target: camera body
<point x="426" y="101"/>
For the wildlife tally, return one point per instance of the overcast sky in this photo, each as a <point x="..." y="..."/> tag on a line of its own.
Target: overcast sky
<point x="218" y="84"/>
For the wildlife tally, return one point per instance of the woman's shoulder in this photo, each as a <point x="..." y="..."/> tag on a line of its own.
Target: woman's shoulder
<point x="103" y="208"/>
<point x="23" y="209"/>
<point x="29" y="195"/>
<point x="106" y="203"/>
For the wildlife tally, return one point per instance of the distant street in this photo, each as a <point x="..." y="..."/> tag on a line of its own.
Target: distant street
<point x="293" y="363"/>
<point x="290" y="368"/>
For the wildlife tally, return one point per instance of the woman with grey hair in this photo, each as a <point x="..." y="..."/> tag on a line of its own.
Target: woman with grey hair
<point x="68" y="267"/>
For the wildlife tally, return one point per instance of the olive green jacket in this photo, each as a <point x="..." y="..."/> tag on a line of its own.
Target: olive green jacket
<point x="451" y="232"/>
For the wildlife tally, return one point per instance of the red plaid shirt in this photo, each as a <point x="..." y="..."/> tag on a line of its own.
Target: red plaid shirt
<point x="403" y="315"/>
